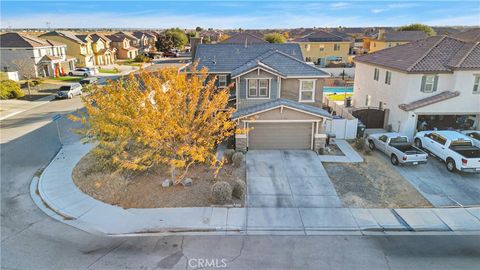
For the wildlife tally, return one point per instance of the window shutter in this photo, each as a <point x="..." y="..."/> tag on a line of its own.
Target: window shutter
<point x="273" y="89"/>
<point x="243" y="89"/>
<point x="422" y="87"/>
<point x="435" y="82"/>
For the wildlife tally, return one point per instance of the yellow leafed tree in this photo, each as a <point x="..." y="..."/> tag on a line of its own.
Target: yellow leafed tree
<point x="167" y="117"/>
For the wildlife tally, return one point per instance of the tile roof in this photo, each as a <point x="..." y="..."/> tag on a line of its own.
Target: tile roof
<point x="16" y="40"/>
<point x="471" y="35"/>
<point x="116" y="38"/>
<point x="95" y="37"/>
<point x="280" y="63"/>
<point x="138" y="34"/>
<point x="66" y="34"/>
<point x="404" y="35"/>
<point x="127" y="35"/>
<point x="321" y="36"/>
<point x="433" y="54"/>
<point x="429" y="100"/>
<point x="280" y="102"/>
<point x="222" y="57"/>
<point x="242" y="38"/>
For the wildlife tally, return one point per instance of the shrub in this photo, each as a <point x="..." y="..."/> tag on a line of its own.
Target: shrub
<point x="237" y="159"/>
<point x="10" y="89"/>
<point x="238" y="188"/>
<point x="228" y="155"/>
<point x="221" y="192"/>
<point x="359" y="143"/>
<point x="142" y="58"/>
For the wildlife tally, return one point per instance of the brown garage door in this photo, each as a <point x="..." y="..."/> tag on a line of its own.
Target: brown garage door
<point x="280" y="136"/>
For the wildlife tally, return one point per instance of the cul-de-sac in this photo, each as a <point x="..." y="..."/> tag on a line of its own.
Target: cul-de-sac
<point x="240" y="134"/>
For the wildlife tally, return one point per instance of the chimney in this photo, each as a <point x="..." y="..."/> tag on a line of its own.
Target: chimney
<point x="381" y="34"/>
<point x="194" y="41"/>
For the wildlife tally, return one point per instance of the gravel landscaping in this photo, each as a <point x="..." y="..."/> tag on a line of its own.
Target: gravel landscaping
<point x="373" y="183"/>
<point x="144" y="190"/>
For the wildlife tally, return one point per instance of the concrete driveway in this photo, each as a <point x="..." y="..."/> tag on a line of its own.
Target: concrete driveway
<point x="441" y="187"/>
<point x="288" y="178"/>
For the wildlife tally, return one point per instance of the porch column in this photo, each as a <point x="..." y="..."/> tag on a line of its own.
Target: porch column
<point x="241" y="142"/>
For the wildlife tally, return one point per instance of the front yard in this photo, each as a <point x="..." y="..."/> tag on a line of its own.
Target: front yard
<point x="144" y="190"/>
<point x="373" y="183"/>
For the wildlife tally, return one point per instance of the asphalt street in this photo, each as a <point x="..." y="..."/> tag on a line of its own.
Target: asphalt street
<point x="32" y="240"/>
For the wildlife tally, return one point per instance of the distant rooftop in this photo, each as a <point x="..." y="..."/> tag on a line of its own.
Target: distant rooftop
<point x="322" y="36"/>
<point x="403" y="36"/>
<point x="242" y="38"/>
<point x="17" y="40"/>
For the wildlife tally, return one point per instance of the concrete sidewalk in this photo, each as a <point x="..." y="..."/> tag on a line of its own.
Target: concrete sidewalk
<point x="350" y="155"/>
<point x="56" y="194"/>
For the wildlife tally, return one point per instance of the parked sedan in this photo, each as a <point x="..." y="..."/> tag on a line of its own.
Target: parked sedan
<point x="70" y="90"/>
<point x="85" y="72"/>
<point x="90" y="80"/>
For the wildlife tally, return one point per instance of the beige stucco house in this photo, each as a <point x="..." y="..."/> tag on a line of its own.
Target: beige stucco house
<point x="79" y="46"/>
<point x="322" y="47"/>
<point x="124" y="49"/>
<point x="104" y="53"/>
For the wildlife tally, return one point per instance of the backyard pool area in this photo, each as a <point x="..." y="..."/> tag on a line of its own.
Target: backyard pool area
<point x="338" y="89"/>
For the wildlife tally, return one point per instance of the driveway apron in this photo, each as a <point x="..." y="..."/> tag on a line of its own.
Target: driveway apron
<point x="288" y="178"/>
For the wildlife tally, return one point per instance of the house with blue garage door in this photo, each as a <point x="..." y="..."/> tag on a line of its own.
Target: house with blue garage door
<point x="277" y="95"/>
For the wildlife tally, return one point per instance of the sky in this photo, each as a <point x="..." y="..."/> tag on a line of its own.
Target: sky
<point x="234" y="14"/>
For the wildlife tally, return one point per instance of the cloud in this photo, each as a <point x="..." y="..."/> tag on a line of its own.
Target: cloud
<point x="339" y="5"/>
<point x="403" y="5"/>
<point x="378" y="10"/>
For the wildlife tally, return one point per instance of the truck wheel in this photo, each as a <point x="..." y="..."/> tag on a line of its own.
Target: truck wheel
<point x="85" y="75"/>
<point x="450" y="164"/>
<point x="70" y="74"/>
<point x="418" y="143"/>
<point x="371" y="145"/>
<point x="394" y="160"/>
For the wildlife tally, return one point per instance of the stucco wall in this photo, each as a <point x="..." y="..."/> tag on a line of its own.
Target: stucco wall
<point x="313" y="50"/>
<point x="290" y="89"/>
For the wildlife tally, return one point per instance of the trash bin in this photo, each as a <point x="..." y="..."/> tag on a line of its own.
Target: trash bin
<point x="360" y="129"/>
<point x="331" y="138"/>
<point x="348" y="102"/>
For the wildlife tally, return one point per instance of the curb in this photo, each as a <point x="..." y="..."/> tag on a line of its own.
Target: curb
<point x="39" y="102"/>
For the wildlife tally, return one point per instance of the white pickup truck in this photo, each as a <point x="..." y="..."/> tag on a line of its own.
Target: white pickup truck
<point x="474" y="136"/>
<point x="455" y="149"/>
<point x="397" y="147"/>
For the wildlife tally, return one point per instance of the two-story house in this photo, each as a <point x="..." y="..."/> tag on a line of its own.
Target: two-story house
<point x="104" y="53"/>
<point x="277" y="95"/>
<point x="390" y="39"/>
<point x="79" y="46"/>
<point x="33" y="57"/>
<point x="124" y="50"/>
<point x="322" y="47"/>
<point x="146" y="42"/>
<point x="431" y="83"/>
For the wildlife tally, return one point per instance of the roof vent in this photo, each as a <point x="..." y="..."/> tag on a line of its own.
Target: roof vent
<point x="238" y="50"/>
<point x="293" y="52"/>
<point x="214" y="60"/>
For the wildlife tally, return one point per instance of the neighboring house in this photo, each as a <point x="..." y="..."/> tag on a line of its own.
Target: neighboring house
<point x="213" y="36"/>
<point x="470" y="35"/>
<point x="426" y="84"/>
<point x="322" y="47"/>
<point x="144" y="43"/>
<point x="277" y="95"/>
<point x="33" y="57"/>
<point x="385" y="40"/>
<point x="244" y="38"/>
<point x="104" y="53"/>
<point x="79" y="46"/>
<point x="123" y="48"/>
<point x="134" y="41"/>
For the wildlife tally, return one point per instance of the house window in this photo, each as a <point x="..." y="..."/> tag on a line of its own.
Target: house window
<point x="307" y="91"/>
<point x="336" y="47"/>
<point x="476" y="88"/>
<point x="388" y="77"/>
<point x="222" y="80"/>
<point x="376" y="74"/>
<point x="258" y="88"/>
<point x="307" y="47"/>
<point x="429" y="83"/>
<point x="322" y="47"/>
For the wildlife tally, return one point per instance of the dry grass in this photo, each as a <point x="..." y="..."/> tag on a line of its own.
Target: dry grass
<point x="373" y="184"/>
<point x="145" y="190"/>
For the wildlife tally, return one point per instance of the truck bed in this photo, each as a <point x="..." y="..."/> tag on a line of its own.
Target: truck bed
<point x="467" y="151"/>
<point x="407" y="149"/>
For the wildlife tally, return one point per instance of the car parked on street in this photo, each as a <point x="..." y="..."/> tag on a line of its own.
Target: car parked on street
<point x="454" y="148"/>
<point x="89" y="80"/>
<point x="69" y="91"/>
<point x="474" y="136"/>
<point x="171" y="54"/>
<point x="397" y="147"/>
<point x="85" y="72"/>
